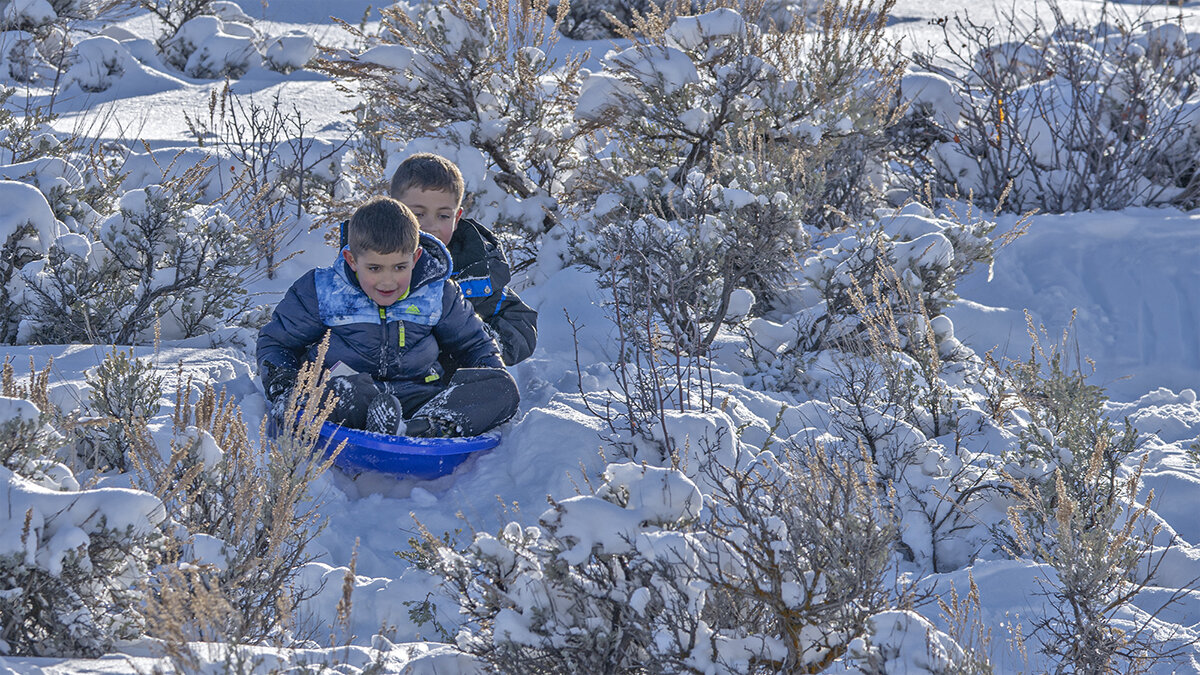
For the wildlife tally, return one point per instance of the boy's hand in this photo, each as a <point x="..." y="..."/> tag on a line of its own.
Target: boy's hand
<point x="278" y="381"/>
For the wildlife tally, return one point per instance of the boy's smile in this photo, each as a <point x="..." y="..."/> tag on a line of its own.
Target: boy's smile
<point x="437" y="211"/>
<point x="384" y="277"/>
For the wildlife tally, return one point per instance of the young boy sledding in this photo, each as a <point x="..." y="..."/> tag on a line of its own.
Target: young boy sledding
<point x="390" y="308"/>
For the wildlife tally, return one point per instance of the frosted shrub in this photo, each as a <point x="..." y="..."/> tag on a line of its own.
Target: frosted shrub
<point x="19" y="56"/>
<point x="124" y="390"/>
<point x="1067" y="425"/>
<point x="1078" y="509"/>
<point x="96" y="63"/>
<point x="27" y="136"/>
<point x="209" y="48"/>
<point x="1101" y="547"/>
<point x="76" y="598"/>
<point x="175" y="13"/>
<point x="893" y="647"/>
<point x="901" y="266"/>
<point x="578" y="596"/>
<point x="30" y="441"/>
<point x="803" y="549"/>
<point x="69" y="557"/>
<point x="29" y="15"/>
<point x="25" y="234"/>
<point x="162" y="259"/>
<point x="684" y="261"/>
<point x="289" y="52"/>
<point x="589" y="19"/>
<point x="776" y="571"/>
<point x="247" y="509"/>
<point x="279" y="171"/>
<point x="36" y="37"/>
<point x="474" y="82"/>
<point x="1069" y="116"/>
<point x="715" y="86"/>
<point x="722" y="134"/>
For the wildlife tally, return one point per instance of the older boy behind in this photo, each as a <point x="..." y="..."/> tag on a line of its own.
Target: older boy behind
<point x="390" y="310"/>
<point x="432" y="187"/>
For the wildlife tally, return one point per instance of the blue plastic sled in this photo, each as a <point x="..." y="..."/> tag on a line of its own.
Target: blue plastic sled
<point x="424" y="458"/>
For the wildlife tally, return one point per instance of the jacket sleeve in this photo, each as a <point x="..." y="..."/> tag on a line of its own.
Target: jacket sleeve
<point x="461" y="332"/>
<point x="295" y="326"/>
<point x="515" y="326"/>
<point x="511" y="321"/>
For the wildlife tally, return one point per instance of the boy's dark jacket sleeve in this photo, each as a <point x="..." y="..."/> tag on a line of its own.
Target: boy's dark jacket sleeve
<point x="482" y="270"/>
<point x="295" y="325"/>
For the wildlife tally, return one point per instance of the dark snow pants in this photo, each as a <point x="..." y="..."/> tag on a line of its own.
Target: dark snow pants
<point x="473" y="401"/>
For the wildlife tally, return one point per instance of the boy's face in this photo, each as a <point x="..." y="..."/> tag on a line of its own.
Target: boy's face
<point x="383" y="276"/>
<point x="437" y="211"/>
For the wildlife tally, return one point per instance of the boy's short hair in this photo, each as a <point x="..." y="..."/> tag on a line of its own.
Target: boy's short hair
<point x="383" y="225"/>
<point x="427" y="171"/>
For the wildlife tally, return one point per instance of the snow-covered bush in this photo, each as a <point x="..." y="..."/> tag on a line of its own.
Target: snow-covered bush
<point x="1099" y="544"/>
<point x="68" y="190"/>
<point x="1069" y="440"/>
<point x="279" y="172"/>
<point x="607" y="19"/>
<point x="590" y="19"/>
<point x="29" y="439"/>
<point x="163" y="261"/>
<point x="26" y="232"/>
<point x="1065" y="117"/>
<point x="175" y="13"/>
<point x="476" y="84"/>
<point x="19" y="56"/>
<point x="29" y="15"/>
<point x="96" y="63"/>
<point x="902" y="642"/>
<point x="242" y="514"/>
<point x="208" y="47"/>
<point x="36" y="37"/>
<point x="289" y="52"/>
<point x="715" y="86"/>
<point x="28" y="136"/>
<point x="124" y="389"/>
<point x="900" y="268"/>
<point x="724" y="140"/>
<point x="776" y="570"/>
<point x="70" y="558"/>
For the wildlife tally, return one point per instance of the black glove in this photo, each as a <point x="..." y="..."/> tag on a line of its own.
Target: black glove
<point x="278" y="381"/>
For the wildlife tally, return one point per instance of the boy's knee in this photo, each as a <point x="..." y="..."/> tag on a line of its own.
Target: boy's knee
<point x="497" y="382"/>
<point x="492" y="377"/>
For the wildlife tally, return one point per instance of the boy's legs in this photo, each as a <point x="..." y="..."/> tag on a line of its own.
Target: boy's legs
<point x="474" y="401"/>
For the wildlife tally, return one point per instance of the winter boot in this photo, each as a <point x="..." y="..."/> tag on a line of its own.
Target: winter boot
<point x="430" y="427"/>
<point x="384" y="415"/>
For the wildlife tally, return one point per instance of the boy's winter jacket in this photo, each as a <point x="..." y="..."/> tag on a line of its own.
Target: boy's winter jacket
<point x="397" y="345"/>
<point x="482" y="271"/>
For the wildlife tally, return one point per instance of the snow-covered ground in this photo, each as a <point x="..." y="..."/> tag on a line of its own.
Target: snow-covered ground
<point x="1132" y="277"/>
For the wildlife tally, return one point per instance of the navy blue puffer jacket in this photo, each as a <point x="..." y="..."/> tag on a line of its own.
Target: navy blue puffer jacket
<point x="397" y="345"/>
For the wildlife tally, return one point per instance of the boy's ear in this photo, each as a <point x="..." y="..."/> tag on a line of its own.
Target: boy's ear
<point x="350" y="259"/>
<point x="417" y="255"/>
<point x="458" y="216"/>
